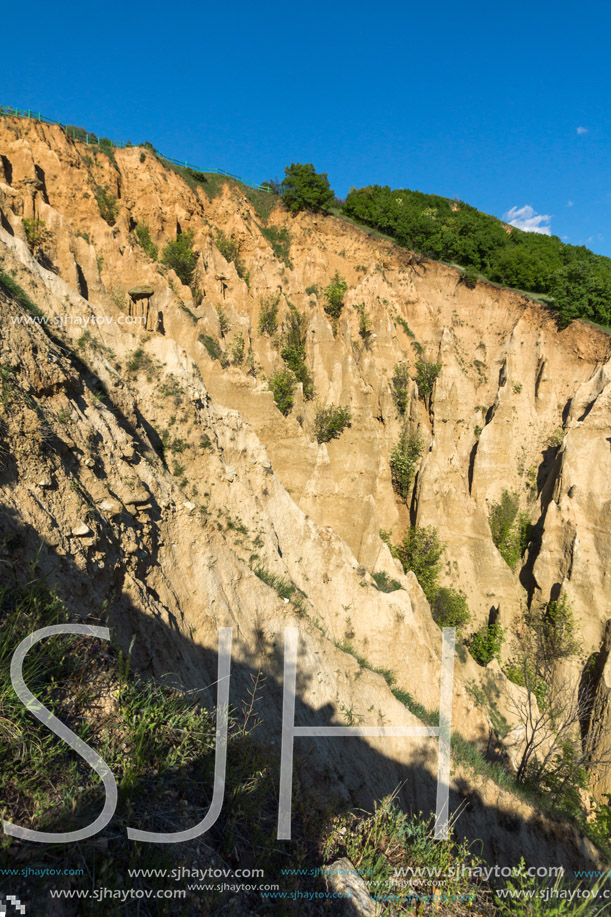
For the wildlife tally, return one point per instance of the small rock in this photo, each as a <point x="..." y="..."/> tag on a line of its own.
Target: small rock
<point x="343" y="879"/>
<point x="89" y="462"/>
<point x="128" y="453"/>
<point x="189" y="506"/>
<point x="81" y="530"/>
<point x="46" y="481"/>
<point x="139" y="495"/>
<point x="112" y="507"/>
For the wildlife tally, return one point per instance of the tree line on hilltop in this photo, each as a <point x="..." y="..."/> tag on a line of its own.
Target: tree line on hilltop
<point x="575" y="281"/>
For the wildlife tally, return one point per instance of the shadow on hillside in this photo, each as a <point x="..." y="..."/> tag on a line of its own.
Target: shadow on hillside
<point x="330" y="774"/>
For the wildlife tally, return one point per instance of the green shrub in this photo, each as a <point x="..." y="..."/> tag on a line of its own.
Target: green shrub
<point x="405" y="326"/>
<point x="13" y="289"/>
<point x="403" y="460"/>
<point x="522" y="671"/>
<point x="282" y="385"/>
<point x="231" y="252"/>
<point x="294" y="357"/>
<point x="558" y="631"/>
<point x="486" y="643"/>
<point x="108" y="204"/>
<point x="426" y="374"/>
<point x="469" y="278"/>
<point x="365" y="324"/>
<point x="334" y="296"/>
<point x="510" y="529"/>
<point x="140" y="362"/>
<point x="143" y="235"/>
<point x="551" y="635"/>
<point x="293" y="352"/>
<point x="237" y="349"/>
<point x="305" y="189"/>
<point x="268" y="316"/>
<point x="223" y="320"/>
<point x="280" y="241"/>
<point x="330" y="423"/>
<point x="420" y="551"/>
<point x="180" y="257"/>
<point x="450" y="609"/>
<point x="36" y="232"/>
<point x="400" y="386"/>
<point x="313" y="290"/>
<point x="285" y="588"/>
<point x="385" y="583"/>
<point x="214" y="350"/>
<point x="555" y="439"/>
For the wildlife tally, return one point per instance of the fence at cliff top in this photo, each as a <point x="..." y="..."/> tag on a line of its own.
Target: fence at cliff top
<point x="79" y="133"/>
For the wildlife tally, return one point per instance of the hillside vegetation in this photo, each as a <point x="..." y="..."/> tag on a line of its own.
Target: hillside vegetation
<point x="577" y="281"/>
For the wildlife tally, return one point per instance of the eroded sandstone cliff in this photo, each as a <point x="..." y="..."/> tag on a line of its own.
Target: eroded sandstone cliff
<point x="160" y="477"/>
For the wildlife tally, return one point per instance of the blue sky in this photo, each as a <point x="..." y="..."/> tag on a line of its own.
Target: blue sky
<point x="506" y="106"/>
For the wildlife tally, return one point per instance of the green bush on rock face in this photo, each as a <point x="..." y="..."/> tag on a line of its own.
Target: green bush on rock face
<point x="403" y="460"/>
<point x="400" y="386"/>
<point x="143" y="235"/>
<point x="282" y="385"/>
<point x="268" y="316"/>
<point x="510" y="529"/>
<point x="485" y="645"/>
<point x="450" y="609"/>
<point x="294" y="350"/>
<point x="334" y="296"/>
<point x="426" y="375"/>
<point x="108" y="204"/>
<point x="420" y="551"/>
<point x="180" y="257"/>
<point x="330" y="423"/>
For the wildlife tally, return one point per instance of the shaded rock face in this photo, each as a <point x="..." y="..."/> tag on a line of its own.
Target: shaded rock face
<point x="188" y="478"/>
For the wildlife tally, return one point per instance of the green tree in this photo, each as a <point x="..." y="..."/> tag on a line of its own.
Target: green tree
<point x="510" y="529"/>
<point x="403" y="460"/>
<point x="400" y="386"/>
<point x="303" y="188"/>
<point x="179" y="256"/>
<point x="485" y="645"/>
<point x="294" y="350"/>
<point x="282" y="385"/>
<point x="334" y="296"/>
<point x="330" y="423"/>
<point x="143" y="235"/>
<point x="108" y="204"/>
<point x="420" y="551"/>
<point x="450" y="609"/>
<point x="426" y="375"/>
<point x="268" y="317"/>
<point x="365" y="324"/>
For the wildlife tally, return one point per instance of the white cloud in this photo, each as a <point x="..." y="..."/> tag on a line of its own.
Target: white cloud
<point x="582" y="130"/>
<point x="528" y="219"/>
<point x="569" y="203"/>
